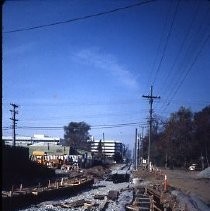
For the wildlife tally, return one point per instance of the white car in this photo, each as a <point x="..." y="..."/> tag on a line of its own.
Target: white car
<point x="193" y="167"/>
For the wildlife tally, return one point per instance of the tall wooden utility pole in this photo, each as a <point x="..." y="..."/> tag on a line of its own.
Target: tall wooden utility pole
<point x="141" y="142"/>
<point x="104" y="143"/>
<point x="136" y="150"/>
<point x="151" y="98"/>
<point x="14" y="120"/>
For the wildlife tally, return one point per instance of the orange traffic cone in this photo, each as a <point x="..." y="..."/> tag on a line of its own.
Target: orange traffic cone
<point x="165" y="183"/>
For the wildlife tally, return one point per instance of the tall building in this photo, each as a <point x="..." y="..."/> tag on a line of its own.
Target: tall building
<point x="109" y="147"/>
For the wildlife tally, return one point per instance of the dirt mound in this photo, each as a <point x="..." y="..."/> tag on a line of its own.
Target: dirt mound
<point x="97" y="171"/>
<point x="205" y="173"/>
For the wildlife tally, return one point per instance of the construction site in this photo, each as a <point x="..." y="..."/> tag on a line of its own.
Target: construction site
<point x="116" y="187"/>
<point x="105" y="105"/>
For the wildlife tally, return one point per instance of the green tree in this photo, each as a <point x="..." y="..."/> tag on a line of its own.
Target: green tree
<point x="76" y="135"/>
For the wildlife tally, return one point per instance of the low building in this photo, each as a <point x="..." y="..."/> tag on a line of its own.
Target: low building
<point x="23" y="141"/>
<point x="45" y="140"/>
<point x="26" y="141"/>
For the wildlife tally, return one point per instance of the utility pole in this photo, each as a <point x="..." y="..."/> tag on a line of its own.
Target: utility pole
<point x="136" y="149"/>
<point x="103" y="137"/>
<point x="14" y="112"/>
<point x="141" y="136"/>
<point x="103" y="142"/>
<point x="151" y="99"/>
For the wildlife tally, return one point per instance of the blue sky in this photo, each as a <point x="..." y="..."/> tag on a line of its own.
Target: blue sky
<point x="97" y="69"/>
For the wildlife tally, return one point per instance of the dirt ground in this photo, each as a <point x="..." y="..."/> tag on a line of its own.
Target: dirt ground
<point x="189" y="183"/>
<point x="97" y="171"/>
<point x="185" y="181"/>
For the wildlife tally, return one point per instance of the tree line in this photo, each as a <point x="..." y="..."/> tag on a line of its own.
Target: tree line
<point x="180" y="140"/>
<point x="77" y="136"/>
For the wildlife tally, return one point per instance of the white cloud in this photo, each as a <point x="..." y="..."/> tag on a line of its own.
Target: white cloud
<point x="107" y="63"/>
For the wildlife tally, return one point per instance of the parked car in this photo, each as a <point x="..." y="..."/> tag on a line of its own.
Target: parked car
<point x="193" y="167"/>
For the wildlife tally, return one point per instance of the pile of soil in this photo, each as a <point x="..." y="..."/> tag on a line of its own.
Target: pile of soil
<point x="97" y="171"/>
<point x="205" y="173"/>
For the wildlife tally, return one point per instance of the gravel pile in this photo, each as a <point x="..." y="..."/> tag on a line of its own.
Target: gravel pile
<point x="189" y="202"/>
<point x="100" y="188"/>
<point x="205" y="173"/>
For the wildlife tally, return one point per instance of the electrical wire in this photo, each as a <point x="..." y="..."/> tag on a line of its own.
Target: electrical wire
<point x="183" y="76"/>
<point x="166" y="43"/>
<point x="79" y="18"/>
<point x="190" y="68"/>
<point x="159" y="47"/>
<point x="170" y="77"/>
<point x="176" y="84"/>
<point x="92" y="127"/>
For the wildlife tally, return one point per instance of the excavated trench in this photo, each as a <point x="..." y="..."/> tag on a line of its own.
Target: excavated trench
<point x="116" y="192"/>
<point x="146" y="199"/>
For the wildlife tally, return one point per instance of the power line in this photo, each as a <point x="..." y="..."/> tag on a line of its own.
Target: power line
<point x="166" y="43"/>
<point x="120" y="125"/>
<point x="79" y="18"/>
<point x="170" y="79"/>
<point x="92" y="126"/>
<point x="16" y="0"/>
<point x="182" y="47"/>
<point x="190" y="68"/>
<point x="185" y="73"/>
<point x="25" y="0"/>
<point x="159" y="45"/>
<point x="174" y="84"/>
<point x="130" y="116"/>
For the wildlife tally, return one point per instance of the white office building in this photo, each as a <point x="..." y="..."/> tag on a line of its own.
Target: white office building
<point x="37" y="139"/>
<point x="109" y="147"/>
